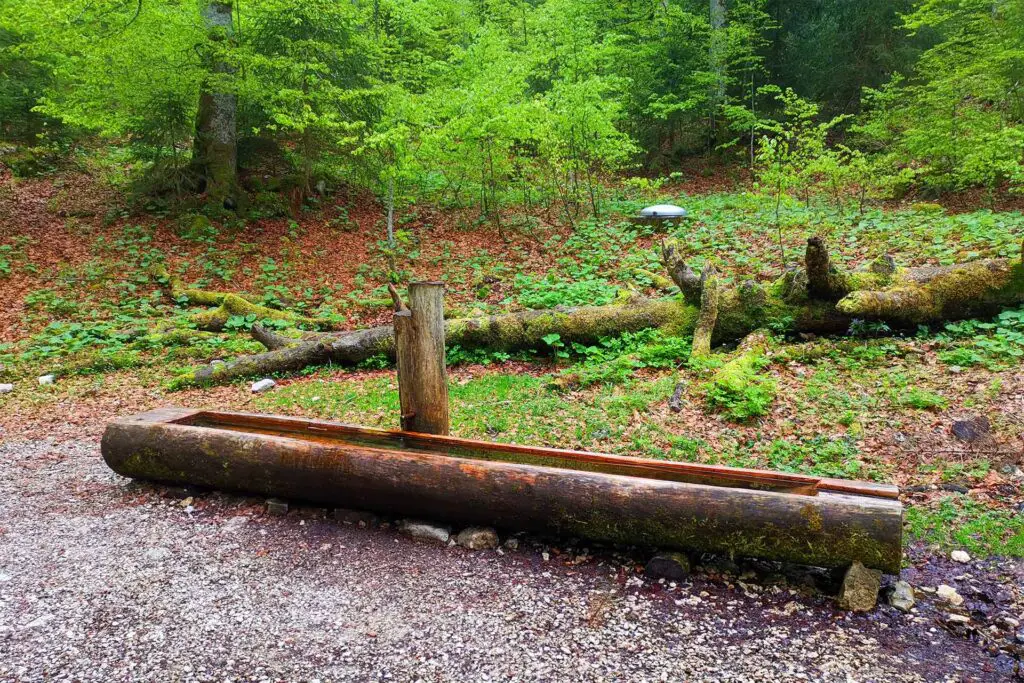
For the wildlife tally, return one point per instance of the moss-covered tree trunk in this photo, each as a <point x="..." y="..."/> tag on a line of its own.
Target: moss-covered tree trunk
<point x="819" y="298"/>
<point x="216" y="150"/>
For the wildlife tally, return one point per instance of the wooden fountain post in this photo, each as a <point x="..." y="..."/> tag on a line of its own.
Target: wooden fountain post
<point x="419" y="348"/>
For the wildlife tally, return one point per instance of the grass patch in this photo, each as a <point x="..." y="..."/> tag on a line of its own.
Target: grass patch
<point x="959" y="522"/>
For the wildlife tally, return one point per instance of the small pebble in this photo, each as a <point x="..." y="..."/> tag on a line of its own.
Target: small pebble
<point x="949" y="594"/>
<point x="46" y="380"/>
<point x="6" y="388"/>
<point x="158" y="554"/>
<point x="960" y="556"/>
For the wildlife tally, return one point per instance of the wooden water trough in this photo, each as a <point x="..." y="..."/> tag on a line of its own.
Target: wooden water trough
<point x="617" y="499"/>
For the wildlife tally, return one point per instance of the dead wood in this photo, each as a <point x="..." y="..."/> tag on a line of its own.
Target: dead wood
<point x="805" y="300"/>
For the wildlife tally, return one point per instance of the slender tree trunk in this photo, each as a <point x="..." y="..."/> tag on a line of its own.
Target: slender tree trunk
<point x="718" y="56"/>
<point x="216" y="150"/>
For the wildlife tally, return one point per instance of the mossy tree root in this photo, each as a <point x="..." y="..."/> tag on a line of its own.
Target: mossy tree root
<point x="228" y="304"/>
<point x="216" y="318"/>
<point x="708" y="312"/>
<point x="175" y="289"/>
<point x="737" y="386"/>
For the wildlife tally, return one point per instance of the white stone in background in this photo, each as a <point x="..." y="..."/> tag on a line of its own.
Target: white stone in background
<point x="960" y="556"/>
<point x="263" y="385"/>
<point x="6" y="388"/>
<point x="46" y="379"/>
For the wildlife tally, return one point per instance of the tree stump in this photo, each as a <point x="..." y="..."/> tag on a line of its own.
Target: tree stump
<point x="419" y="349"/>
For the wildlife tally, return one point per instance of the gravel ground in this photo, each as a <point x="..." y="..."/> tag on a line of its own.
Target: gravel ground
<point x="102" y="579"/>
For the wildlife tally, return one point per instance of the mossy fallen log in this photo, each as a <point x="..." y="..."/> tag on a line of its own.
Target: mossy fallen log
<point x="225" y="305"/>
<point x="525" y="329"/>
<point x="803" y="300"/>
<point x="930" y="294"/>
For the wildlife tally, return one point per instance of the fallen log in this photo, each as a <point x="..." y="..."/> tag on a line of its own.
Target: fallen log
<point x="226" y="305"/>
<point x="617" y="499"/>
<point x="801" y="301"/>
<point x="525" y="329"/>
<point x="934" y="293"/>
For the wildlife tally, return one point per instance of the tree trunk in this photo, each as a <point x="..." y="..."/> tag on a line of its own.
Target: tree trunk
<point x="419" y="352"/>
<point x="216" y="151"/>
<point x="901" y="297"/>
<point x="718" y="55"/>
<point x="708" y="312"/>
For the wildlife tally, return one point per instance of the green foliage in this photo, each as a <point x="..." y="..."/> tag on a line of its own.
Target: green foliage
<point x="23" y="81"/>
<point x="958" y="120"/>
<point x="739" y="391"/>
<point x="511" y="102"/>
<point x="993" y="344"/>
<point x="922" y="399"/>
<point x="794" y="159"/>
<point x="820" y="455"/>
<point x="61" y="338"/>
<point x="961" y="523"/>
<point x="551" y="291"/>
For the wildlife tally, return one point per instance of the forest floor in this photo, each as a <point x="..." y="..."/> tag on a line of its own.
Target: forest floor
<point x="74" y="277"/>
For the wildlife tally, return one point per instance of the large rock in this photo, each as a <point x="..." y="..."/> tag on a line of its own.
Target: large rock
<point x="859" y="592"/>
<point x="478" y="538"/>
<point x="425" y="531"/>
<point x="669" y="566"/>
<point x="902" y="596"/>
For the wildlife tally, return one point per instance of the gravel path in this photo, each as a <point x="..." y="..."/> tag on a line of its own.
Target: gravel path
<point x="102" y="579"/>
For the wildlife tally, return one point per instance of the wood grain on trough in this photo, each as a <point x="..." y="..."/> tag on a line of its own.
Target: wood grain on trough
<point x="598" y="496"/>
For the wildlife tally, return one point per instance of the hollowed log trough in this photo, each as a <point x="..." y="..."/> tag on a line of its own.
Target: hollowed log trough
<point x="630" y="501"/>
